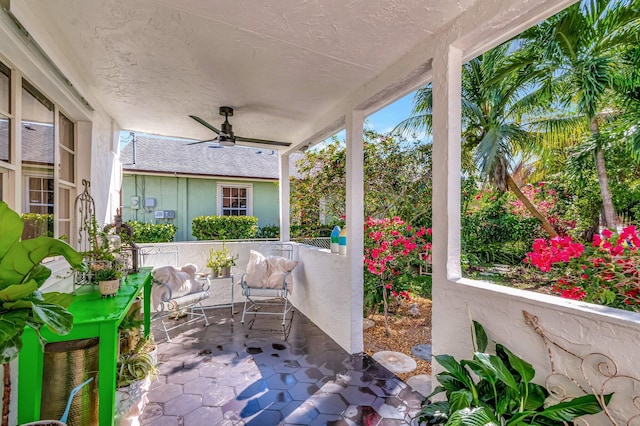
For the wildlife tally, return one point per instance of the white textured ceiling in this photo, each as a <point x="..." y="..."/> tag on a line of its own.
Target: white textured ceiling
<point x="279" y="63"/>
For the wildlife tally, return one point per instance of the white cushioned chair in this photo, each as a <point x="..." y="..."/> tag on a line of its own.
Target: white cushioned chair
<point x="268" y="282"/>
<point x="175" y="290"/>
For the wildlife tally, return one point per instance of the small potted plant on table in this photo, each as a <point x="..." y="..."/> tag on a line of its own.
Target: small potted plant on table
<point x="108" y="280"/>
<point x="221" y="261"/>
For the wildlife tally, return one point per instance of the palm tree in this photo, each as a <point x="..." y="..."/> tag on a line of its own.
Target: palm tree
<point x="497" y="120"/>
<point x="579" y="51"/>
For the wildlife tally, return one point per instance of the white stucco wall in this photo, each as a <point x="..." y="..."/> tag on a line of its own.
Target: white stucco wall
<point x="321" y="284"/>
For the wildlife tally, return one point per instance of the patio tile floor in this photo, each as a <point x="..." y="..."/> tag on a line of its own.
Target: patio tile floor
<point x="259" y="374"/>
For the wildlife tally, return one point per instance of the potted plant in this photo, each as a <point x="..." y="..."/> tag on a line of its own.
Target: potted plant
<point x="21" y="276"/>
<point x="136" y="369"/>
<point x="108" y="279"/>
<point x="129" y="330"/>
<point x="221" y="261"/>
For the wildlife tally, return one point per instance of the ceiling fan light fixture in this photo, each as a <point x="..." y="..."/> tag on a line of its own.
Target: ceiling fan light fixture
<point x="224" y="140"/>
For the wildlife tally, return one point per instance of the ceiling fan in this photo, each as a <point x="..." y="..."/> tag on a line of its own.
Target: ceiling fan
<point x="225" y="134"/>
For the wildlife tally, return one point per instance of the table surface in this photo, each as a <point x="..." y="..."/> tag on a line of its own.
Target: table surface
<point x="93" y="316"/>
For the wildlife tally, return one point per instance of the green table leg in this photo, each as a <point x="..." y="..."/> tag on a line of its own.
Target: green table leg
<point x="147" y="306"/>
<point x="107" y="364"/>
<point x="30" y="364"/>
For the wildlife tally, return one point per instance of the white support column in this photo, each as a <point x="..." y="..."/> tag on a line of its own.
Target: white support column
<point x="285" y="194"/>
<point x="447" y="70"/>
<point x="355" y="223"/>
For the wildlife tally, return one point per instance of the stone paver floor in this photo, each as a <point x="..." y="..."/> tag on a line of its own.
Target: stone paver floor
<point x="233" y="374"/>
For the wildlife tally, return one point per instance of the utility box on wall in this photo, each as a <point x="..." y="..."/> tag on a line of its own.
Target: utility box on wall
<point x="164" y="214"/>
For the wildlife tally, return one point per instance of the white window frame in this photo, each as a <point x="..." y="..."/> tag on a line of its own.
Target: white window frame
<point x="219" y="192"/>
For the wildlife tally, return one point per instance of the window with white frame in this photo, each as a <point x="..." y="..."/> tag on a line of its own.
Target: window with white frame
<point x="40" y="183"/>
<point x="235" y="199"/>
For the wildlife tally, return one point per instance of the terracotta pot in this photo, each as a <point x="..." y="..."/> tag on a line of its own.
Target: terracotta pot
<point x="108" y="288"/>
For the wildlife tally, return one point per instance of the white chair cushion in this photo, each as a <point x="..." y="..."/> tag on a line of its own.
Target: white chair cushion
<point x="268" y="271"/>
<point x="278" y="268"/>
<point x="256" y="269"/>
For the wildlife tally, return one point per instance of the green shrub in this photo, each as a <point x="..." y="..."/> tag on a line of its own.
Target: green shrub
<point x="269" y="231"/>
<point x="152" y="232"/>
<point x="225" y="227"/>
<point x="492" y="234"/>
<point x="36" y="224"/>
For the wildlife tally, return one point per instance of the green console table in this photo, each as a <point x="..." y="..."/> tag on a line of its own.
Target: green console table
<point x="93" y="316"/>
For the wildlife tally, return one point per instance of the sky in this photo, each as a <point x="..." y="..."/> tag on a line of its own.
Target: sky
<point x="387" y="118"/>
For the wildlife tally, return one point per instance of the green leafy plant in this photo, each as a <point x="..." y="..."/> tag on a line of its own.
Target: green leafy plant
<point x="497" y="390"/>
<point x="107" y="274"/>
<point x="21" y="275"/>
<point x="221" y="258"/>
<point x="224" y="227"/>
<point x="137" y="364"/>
<point x="100" y="250"/>
<point x="130" y="330"/>
<point x="152" y="232"/>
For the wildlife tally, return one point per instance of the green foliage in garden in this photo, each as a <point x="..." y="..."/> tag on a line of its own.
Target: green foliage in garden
<point x="225" y="227"/>
<point x="491" y="390"/>
<point x="397" y="182"/>
<point x="36" y="224"/>
<point x="493" y="234"/>
<point x="152" y="232"/>
<point x="269" y="231"/>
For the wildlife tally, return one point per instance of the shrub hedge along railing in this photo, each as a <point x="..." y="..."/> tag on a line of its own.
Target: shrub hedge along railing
<point x="224" y="227"/>
<point x="152" y="232"/>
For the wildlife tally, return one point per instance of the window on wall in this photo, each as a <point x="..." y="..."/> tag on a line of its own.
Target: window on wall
<point x="67" y="149"/>
<point x="38" y="147"/>
<point x="5" y="97"/>
<point x="41" y="181"/>
<point x="235" y="200"/>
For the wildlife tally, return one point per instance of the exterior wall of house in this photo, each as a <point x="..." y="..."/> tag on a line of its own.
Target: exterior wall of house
<point x="190" y="197"/>
<point x="95" y="145"/>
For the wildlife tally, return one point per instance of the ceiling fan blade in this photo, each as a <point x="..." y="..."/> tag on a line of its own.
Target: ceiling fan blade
<point x="205" y="124"/>
<point x="208" y="140"/>
<point x="262" y="141"/>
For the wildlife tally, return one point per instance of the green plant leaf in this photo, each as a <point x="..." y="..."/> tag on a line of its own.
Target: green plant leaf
<point x="481" y="337"/>
<point x="18" y="291"/>
<point x="21" y="261"/>
<point x="449" y="383"/>
<point x="569" y="410"/>
<point x="11" y="227"/>
<point x="56" y="317"/>
<point x="537" y="395"/>
<point x="460" y="399"/>
<point x="11" y="326"/>
<point x="450" y="364"/>
<point x="471" y="417"/>
<point x="523" y="368"/>
<point x="40" y="274"/>
<point x="434" y="413"/>
<point x="485" y="374"/>
<point x="495" y="364"/>
<point x="56" y="298"/>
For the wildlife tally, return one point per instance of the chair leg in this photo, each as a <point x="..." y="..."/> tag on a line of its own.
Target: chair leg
<point x="206" y="320"/>
<point x="164" y="326"/>
<point x="284" y="314"/>
<point x="244" y="310"/>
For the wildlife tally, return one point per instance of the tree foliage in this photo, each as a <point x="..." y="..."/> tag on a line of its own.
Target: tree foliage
<point x="397" y="176"/>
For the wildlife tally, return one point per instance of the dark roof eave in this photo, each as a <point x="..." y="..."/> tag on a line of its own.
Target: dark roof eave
<point x="203" y="175"/>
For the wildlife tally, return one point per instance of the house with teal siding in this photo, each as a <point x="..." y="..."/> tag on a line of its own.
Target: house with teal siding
<point x="167" y="180"/>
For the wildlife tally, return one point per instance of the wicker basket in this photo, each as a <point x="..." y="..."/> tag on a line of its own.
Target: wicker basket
<point x="66" y="365"/>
